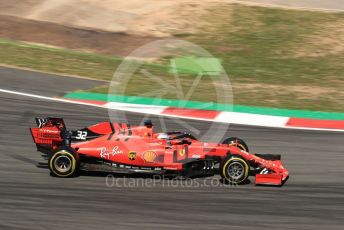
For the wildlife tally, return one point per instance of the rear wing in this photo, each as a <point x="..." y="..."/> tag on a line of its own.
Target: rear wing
<point x="48" y="134"/>
<point x="51" y="133"/>
<point x="50" y="121"/>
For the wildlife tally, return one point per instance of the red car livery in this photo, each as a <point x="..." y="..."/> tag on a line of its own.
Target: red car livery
<point x="124" y="148"/>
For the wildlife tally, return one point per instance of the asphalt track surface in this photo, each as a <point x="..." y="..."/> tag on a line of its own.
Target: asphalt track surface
<point x="313" y="197"/>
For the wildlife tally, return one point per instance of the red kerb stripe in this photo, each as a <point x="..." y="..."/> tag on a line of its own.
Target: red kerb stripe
<point x="314" y="123"/>
<point x="198" y="113"/>
<point x="88" y="101"/>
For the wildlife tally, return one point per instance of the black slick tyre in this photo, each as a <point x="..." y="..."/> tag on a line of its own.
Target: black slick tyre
<point x="234" y="170"/>
<point x="64" y="162"/>
<point x="236" y="142"/>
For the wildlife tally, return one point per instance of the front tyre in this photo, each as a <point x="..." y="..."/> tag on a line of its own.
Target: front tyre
<point x="64" y="162"/>
<point x="234" y="170"/>
<point x="234" y="141"/>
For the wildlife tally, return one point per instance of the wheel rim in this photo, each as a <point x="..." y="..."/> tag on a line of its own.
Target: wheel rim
<point x="63" y="163"/>
<point x="236" y="170"/>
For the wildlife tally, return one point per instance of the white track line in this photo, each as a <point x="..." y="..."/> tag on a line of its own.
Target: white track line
<point x="47" y="98"/>
<point x="236" y="118"/>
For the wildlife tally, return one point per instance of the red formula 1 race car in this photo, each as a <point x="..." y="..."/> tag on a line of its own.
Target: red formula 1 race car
<point x="128" y="149"/>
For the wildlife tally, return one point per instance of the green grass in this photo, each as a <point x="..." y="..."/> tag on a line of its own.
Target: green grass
<point x="57" y="60"/>
<point x="274" y="57"/>
<point x="259" y="48"/>
<point x="97" y="66"/>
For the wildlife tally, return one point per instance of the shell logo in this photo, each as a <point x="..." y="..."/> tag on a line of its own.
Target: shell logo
<point x="149" y="156"/>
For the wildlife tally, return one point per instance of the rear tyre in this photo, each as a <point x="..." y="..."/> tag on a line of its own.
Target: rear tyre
<point x="64" y="162"/>
<point x="234" y="170"/>
<point x="236" y="142"/>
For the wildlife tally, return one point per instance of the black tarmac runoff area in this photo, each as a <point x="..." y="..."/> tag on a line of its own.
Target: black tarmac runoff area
<point x="312" y="198"/>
